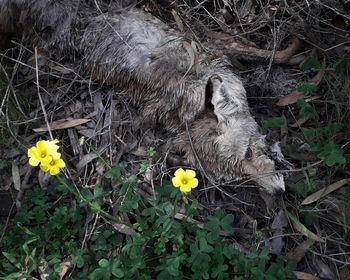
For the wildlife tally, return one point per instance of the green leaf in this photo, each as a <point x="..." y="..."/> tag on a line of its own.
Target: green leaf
<point x="99" y="273"/>
<point x="78" y="260"/>
<point x="307" y="88"/>
<point x="87" y="194"/>
<point x="271" y="123"/>
<point x="12" y="259"/>
<point x="116" y="171"/>
<point x="213" y="226"/>
<point x="103" y="263"/>
<point x="306" y="109"/>
<point x="302" y="229"/>
<point x="310" y="63"/>
<point x="342" y="66"/>
<point x="219" y="272"/>
<point x="98" y="191"/>
<point x="3" y="164"/>
<point x="116" y="271"/>
<point x="151" y="152"/>
<point x="332" y="154"/>
<point x="304" y="187"/>
<point x="226" y="223"/>
<point x="14" y="275"/>
<point x="96" y="207"/>
<point x="204" y="246"/>
<point x="131" y="181"/>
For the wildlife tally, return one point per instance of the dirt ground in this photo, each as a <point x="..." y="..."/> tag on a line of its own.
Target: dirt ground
<point x="270" y="44"/>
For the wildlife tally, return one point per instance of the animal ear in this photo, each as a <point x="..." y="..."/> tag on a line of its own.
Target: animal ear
<point x="225" y="96"/>
<point x="212" y="87"/>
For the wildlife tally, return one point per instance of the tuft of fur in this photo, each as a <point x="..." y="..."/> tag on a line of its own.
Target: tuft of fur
<point x="137" y="52"/>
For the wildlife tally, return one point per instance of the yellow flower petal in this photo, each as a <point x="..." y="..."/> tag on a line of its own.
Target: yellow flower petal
<point x="185" y="188"/>
<point x="54" y="170"/>
<point x="42" y="145"/>
<point x="44" y="168"/>
<point x="176" y="182"/>
<point x="60" y="163"/>
<point x="55" y="156"/>
<point x="46" y="160"/>
<point x="185" y="179"/>
<point x="193" y="183"/>
<point x="179" y="172"/>
<point x="190" y="173"/>
<point x="33" y="152"/>
<point x="34" y="161"/>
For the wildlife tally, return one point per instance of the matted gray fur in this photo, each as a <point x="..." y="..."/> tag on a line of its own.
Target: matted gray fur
<point x="137" y="52"/>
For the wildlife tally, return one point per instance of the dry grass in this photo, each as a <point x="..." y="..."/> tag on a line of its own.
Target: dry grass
<point x="113" y="131"/>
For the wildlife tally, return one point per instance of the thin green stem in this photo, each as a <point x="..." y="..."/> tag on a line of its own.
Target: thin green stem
<point x="91" y="205"/>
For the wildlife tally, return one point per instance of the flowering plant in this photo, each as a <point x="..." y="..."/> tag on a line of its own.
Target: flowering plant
<point x="185" y="179"/>
<point x="45" y="153"/>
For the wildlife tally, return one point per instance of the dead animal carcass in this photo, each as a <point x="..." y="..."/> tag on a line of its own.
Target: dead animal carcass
<point x="203" y="103"/>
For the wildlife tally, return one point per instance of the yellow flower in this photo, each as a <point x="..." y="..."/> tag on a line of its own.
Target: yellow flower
<point x="54" y="165"/>
<point x="42" y="151"/>
<point x="185" y="179"/>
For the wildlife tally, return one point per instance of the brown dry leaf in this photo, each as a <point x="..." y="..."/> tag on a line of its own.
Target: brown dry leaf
<point x="43" y="178"/>
<point x="303" y="229"/>
<point x="323" y="269"/>
<point x="278" y="225"/>
<point x="85" y="160"/>
<point x="290" y="99"/>
<point x="62" y="124"/>
<point x="193" y="54"/>
<point x="62" y="69"/>
<point x="323" y="192"/>
<point x="305" y="276"/>
<point x="296" y="95"/>
<point x="300" y="122"/>
<point x="178" y="21"/>
<point x="319" y="76"/>
<point x="122" y="228"/>
<point x="299" y="252"/>
<point x="221" y="36"/>
<point x="16" y="178"/>
<point x="65" y="266"/>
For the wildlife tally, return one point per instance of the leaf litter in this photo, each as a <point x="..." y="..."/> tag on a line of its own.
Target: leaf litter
<point x="95" y="124"/>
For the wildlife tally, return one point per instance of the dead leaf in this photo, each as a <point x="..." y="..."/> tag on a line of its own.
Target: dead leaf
<point x="323" y="269"/>
<point x="178" y="21"/>
<point x="312" y="98"/>
<point x="296" y="95"/>
<point x="87" y="132"/>
<point x="62" y="124"/>
<point x="305" y="276"/>
<point x="278" y="225"/>
<point x="290" y="99"/>
<point x="43" y="178"/>
<point x="65" y="266"/>
<point x="124" y="229"/>
<point x="85" y="160"/>
<point x="16" y="177"/>
<point x="323" y="192"/>
<point x="280" y="221"/>
<point x="62" y="69"/>
<point x="299" y="252"/>
<point x="319" y="76"/>
<point x="221" y="36"/>
<point x="300" y="122"/>
<point x="193" y="54"/>
<point x="303" y="229"/>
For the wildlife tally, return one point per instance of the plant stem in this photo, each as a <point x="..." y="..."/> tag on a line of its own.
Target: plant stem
<point x="91" y="205"/>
